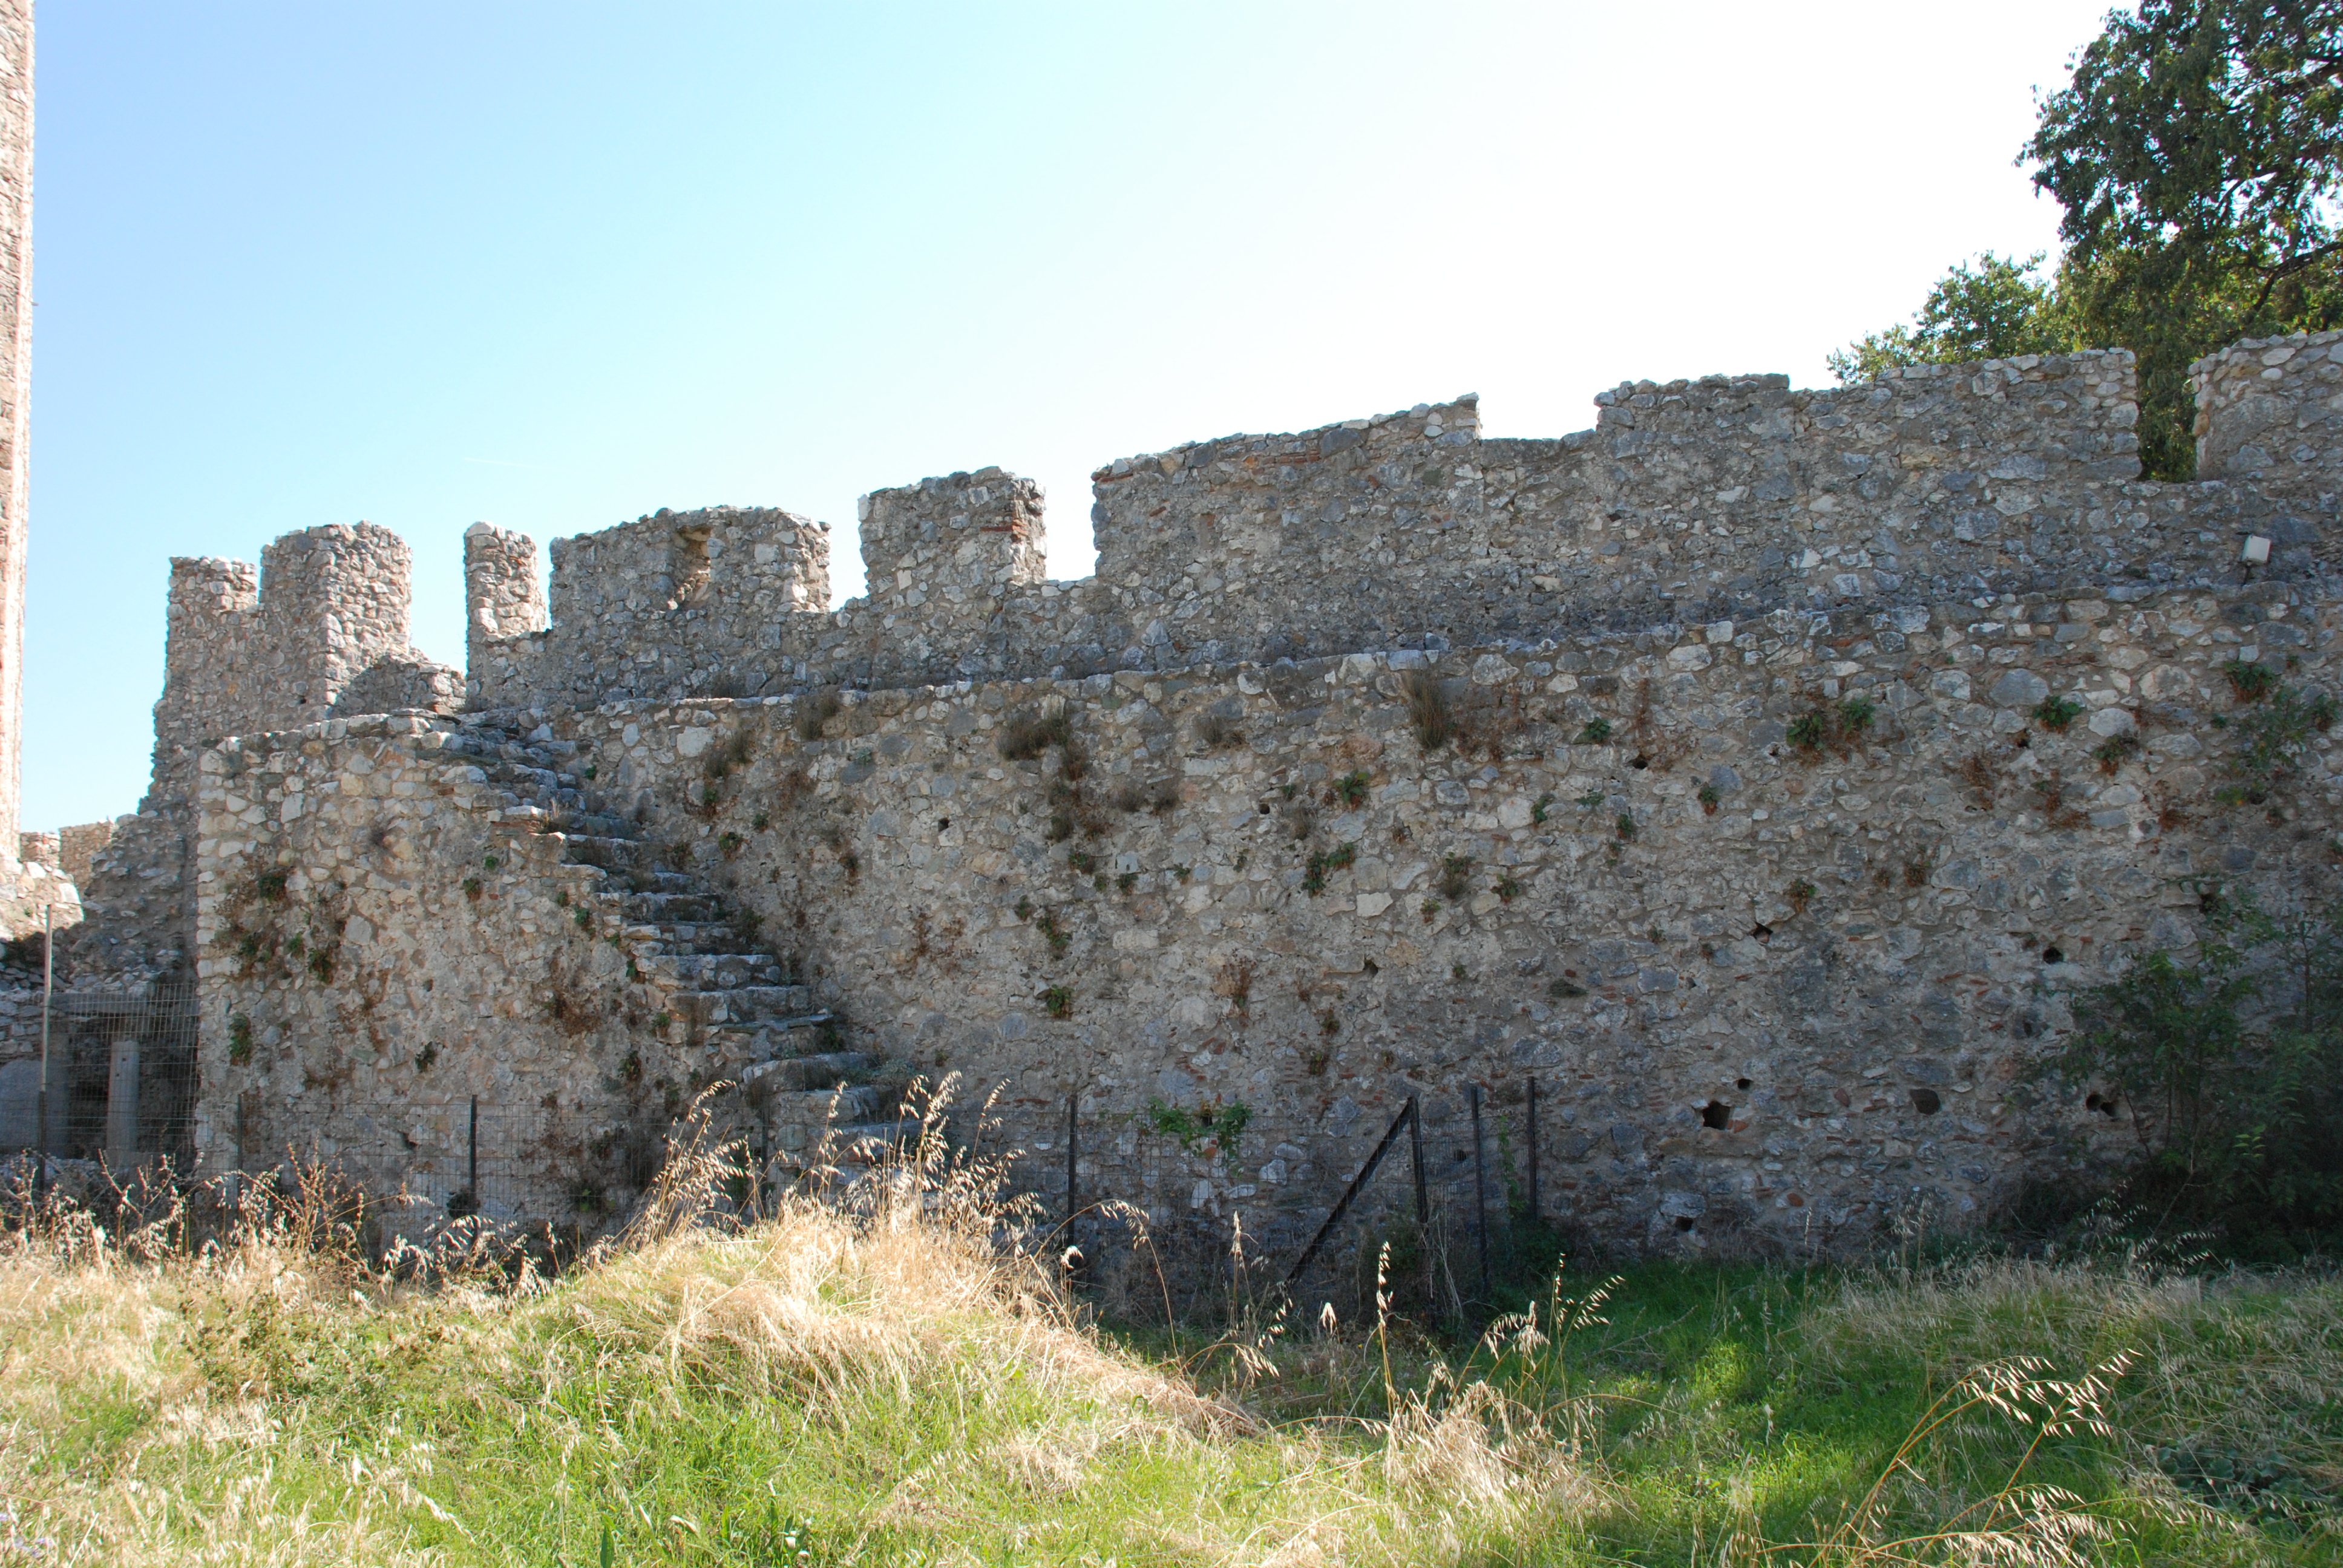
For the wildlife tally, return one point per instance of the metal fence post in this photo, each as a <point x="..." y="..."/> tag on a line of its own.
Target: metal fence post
<point x="1480" y="1197"/>
<point x="1073" y="1132"/>
<point x="1423" y="1201"/>
<point x="41" y="1109"/>
<point x="1533" y="1153"/>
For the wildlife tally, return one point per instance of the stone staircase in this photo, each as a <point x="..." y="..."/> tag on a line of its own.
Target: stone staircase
<point x="733" y="1010"/>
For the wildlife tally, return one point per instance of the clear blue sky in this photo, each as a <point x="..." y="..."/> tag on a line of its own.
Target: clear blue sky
<point x="557" y="266"/>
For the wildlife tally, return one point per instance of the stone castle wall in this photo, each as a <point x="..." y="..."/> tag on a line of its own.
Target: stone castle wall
<point x="1764" y="984"/>
<point x="16" y="417"/>
<point x="1693" y="500"/>
<point x="248" y="648"/>
<point x="1761" y="985"/>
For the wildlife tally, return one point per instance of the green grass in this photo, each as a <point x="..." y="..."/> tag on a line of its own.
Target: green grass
<point x="823" y="1388"/>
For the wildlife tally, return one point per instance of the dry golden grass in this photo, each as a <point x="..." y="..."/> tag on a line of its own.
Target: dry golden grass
<point x="891" y="1371"/>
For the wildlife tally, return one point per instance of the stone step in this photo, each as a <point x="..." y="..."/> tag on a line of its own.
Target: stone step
<point x="810" y="1072"/>
<point x="813" y="1106"/>
<point x="678" y="941"/>
<point x="713" y="971"/>
<point x="500" y="751"/>
<point x="747" y="1004"/>
<point x="613" y="854"/>
<point x="660" y="907"/>
<point x="579" y="823"/>
<point x="850" y="1143"/>
<point x="766" y="1039"/>
<point x="864" y="1142"/>
<point x="635" y="884"/>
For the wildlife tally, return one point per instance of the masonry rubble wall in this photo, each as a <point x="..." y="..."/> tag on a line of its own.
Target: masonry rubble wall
<point x="383" y="944"/>
<point x="2269" y="411"/>
<point x="247" y="649"/>
<point x="1689" y="500"/>
<point x="15" y="420"/>
<point x="1764" y="987"/>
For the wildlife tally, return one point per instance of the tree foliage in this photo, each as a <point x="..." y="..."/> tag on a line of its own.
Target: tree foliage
<point x="1996" y="309"/>
<point x="2197" y="153"/>
<point x="2227" y="1066"/>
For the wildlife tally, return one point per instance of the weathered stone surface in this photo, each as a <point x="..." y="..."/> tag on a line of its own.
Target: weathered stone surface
<point x="1744" y="839"/>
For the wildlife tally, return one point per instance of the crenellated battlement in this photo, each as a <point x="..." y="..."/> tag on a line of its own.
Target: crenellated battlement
<point x="265" y="648"/>
<point x="2269" y="410"/>
<point x="250" y="648"/>
<point x="1687" y="502"/>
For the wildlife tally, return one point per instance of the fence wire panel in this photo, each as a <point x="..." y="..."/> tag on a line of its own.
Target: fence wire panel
<point x="500" y="1161"/>
<point x="120" y="1078"/>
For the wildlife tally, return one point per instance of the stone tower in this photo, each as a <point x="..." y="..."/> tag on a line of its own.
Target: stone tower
<point x="15" y="382"/>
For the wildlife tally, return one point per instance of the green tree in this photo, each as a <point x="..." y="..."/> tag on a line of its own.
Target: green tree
<point x="2197" y="155"/>
<point x="1998" y="308"/>
<point x="2227" y="1066"/>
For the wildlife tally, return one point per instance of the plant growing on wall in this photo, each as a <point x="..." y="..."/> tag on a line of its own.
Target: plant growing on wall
<point x="1427" y="710"/>
<point x="2249" y="680"/>
<point x="1235" y="981"/>
<point x="2272" y="738"/>
<point x="1456" y="877"/>
<point x="1838" y="728"/>
<point x="1223" y="1124"/>
<point x="1219" y="732"/>
<point x="2058" y="712"/>
<point x="1029" y="735"/>
<point x="815" y="710"/>
<point x="1322" y="864"/>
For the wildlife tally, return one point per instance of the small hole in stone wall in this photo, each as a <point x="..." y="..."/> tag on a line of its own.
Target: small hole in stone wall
<point x="1372" y="967"/>
<point x="1684" y="1221"/>
<point x="1264" y="808"/>
<point x="1741" y="1084"/>
<point x="2023" y="736"/>
<point x="1716" y="1114"/>
<point x="2053" y="956"/>
<point x="1640" y="762"/>
<point x="943" y="824"/>
<point x="2103" y="1104"/>
<point x="1927" y="1102"/>
<point x="1761" y="931"/>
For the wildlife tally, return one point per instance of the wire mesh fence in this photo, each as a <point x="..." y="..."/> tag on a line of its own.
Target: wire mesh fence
<point x="117" y="1081"/>
<point x="455" y="1158"/>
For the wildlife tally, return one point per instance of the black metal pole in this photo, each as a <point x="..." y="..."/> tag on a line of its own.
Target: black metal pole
<point x="41" y="1111"/>
<point x="1415" y="1151"/>
<point x="472" y="1158"/>
<point x="1533" y="1146"/>
<point x="1072" y="1150"/>
<point x="1480" y="1197"/>
<point x="1342" y="1204"/>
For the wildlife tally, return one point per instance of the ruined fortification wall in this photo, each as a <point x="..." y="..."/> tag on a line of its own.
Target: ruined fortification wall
<point x="1692" y="500"/>
<point x="247" y="649"/>
<point x="385" y="937"/>
<point x="15" y="407"/>
<point x="2269" y="411"/>
<point x="1772" y="967"/>
<point x="1760" y="984"/>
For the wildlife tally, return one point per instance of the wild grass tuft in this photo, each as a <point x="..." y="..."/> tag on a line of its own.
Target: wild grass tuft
<point x="892" y="1368"/>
